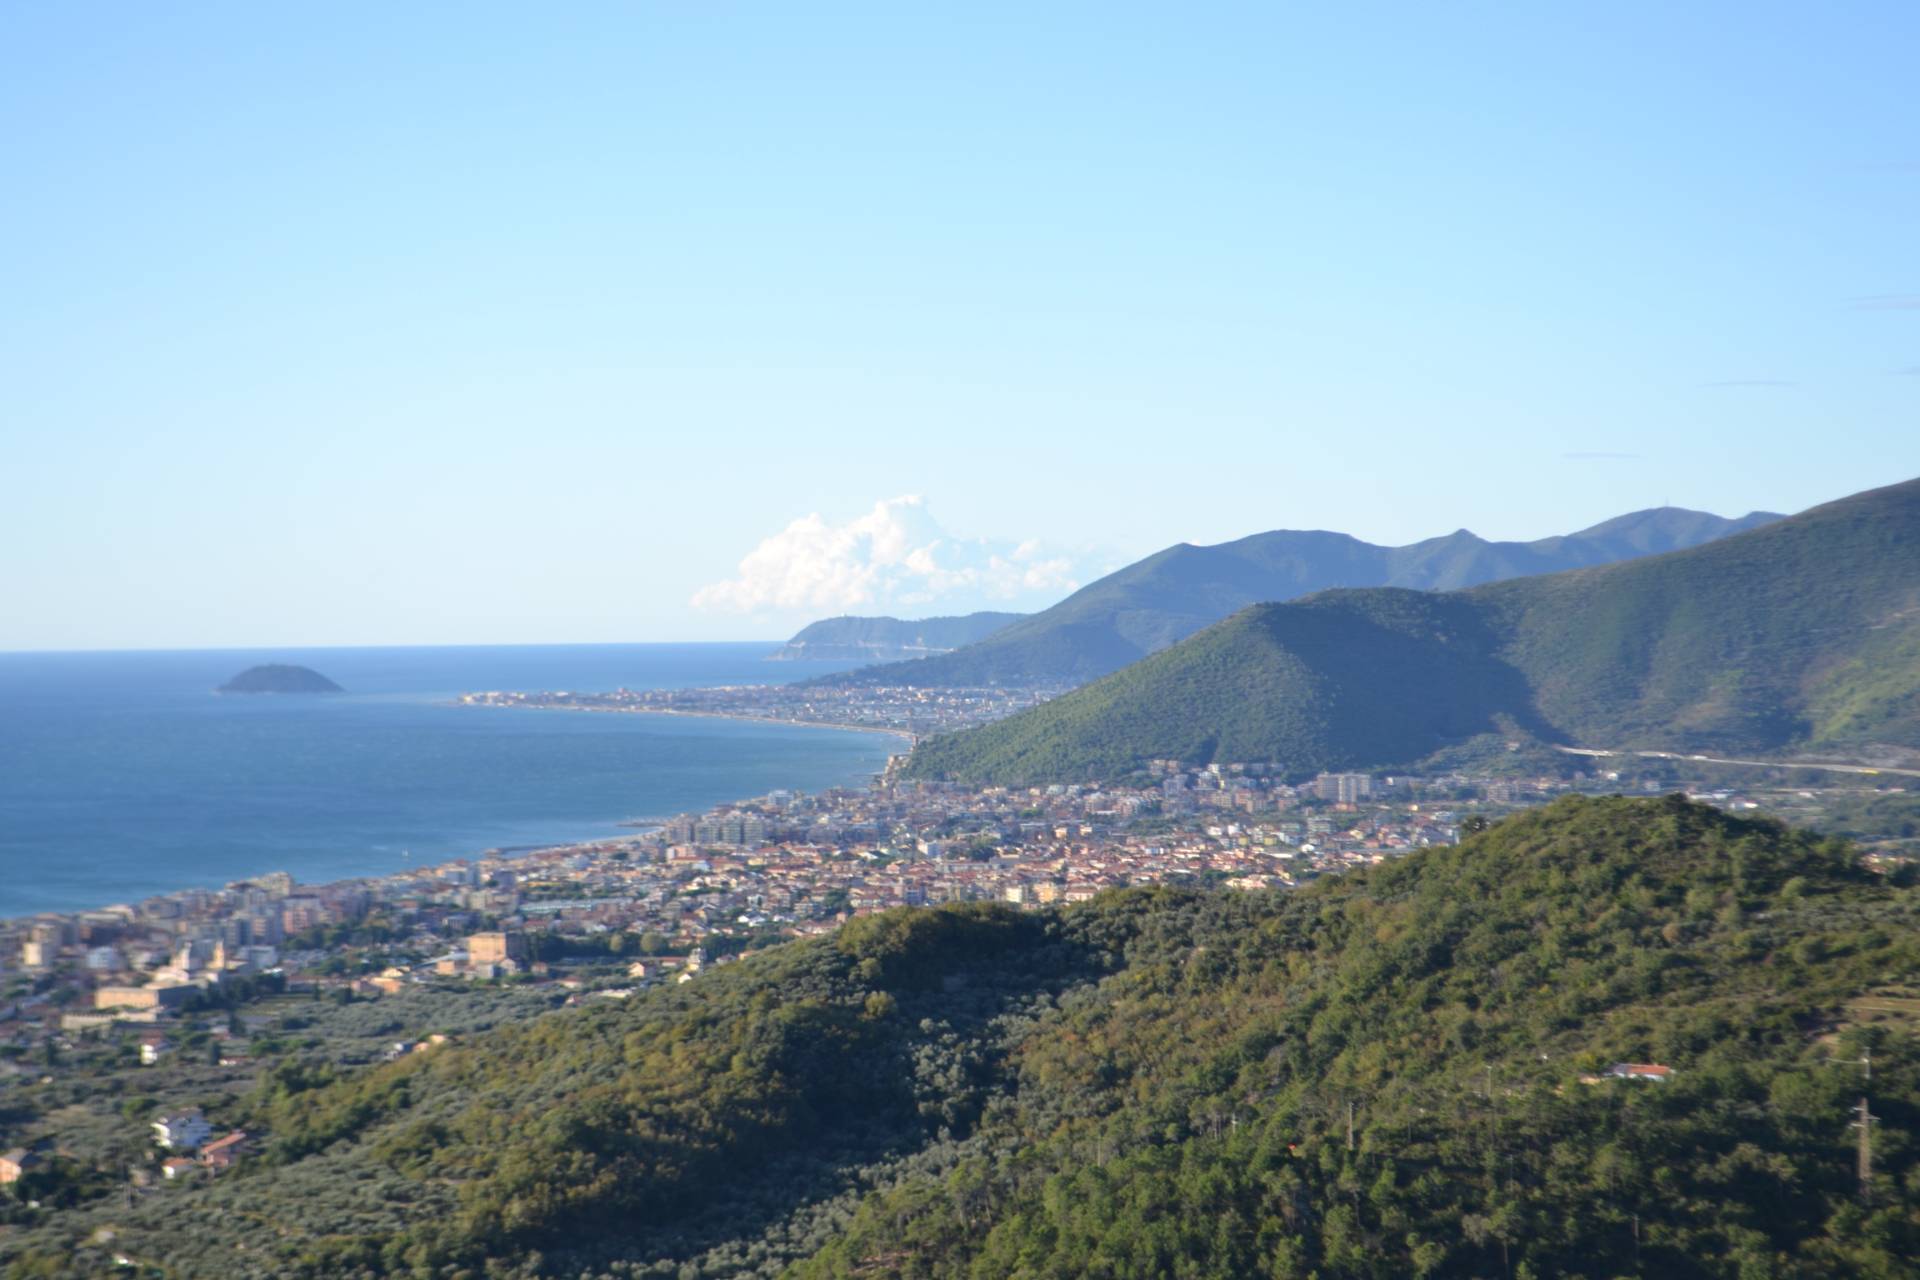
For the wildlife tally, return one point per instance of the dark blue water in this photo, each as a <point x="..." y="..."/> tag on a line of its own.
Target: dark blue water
<point x="123" y="775"/>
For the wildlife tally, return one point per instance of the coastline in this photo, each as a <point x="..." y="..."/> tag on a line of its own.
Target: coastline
<point x="705" y="715"/>
<point x="622" y="830"/>
<point x="336" y="789"/>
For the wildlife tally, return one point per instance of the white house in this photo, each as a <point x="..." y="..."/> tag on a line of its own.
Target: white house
<point x="182" y="1132"/>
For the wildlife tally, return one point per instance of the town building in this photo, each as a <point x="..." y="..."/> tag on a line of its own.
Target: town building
<point x="158" y="995"/>
<point x="496" y="948"/>
<point x="183" y="1131"/>
<point x="220" y="1155"/>
<point x="17" y="1164"/>
<point x="154" y="1046"/>
<point x="1640" y="1071"/>
<point x="1343" y="788"/>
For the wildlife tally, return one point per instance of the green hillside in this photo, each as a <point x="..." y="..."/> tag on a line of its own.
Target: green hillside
<point x="1383" y="1074"/>
<point x="1805" y="632"/>
<point x="1174" y="593"/>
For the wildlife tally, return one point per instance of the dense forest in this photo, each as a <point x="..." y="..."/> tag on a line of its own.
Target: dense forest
<point x="1401" y="1071"/>
<point x="1804" y="632"/>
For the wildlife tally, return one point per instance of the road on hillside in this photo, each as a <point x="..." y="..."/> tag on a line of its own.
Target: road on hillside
<point x="1763" y="764"/>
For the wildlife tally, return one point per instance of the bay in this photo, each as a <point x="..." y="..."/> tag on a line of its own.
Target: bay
<point x="122" y="774"/>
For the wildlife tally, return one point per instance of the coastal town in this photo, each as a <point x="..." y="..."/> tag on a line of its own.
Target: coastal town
<point x="908" y="710"/>
<point x="205" y="979"/>
<point x="700" y="888"/>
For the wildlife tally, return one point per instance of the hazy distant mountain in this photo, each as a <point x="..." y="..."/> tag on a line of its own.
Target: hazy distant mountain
<point x="851" y="639"/>
<point x="1806" y="631"/>
<point x="1170" y="595"/>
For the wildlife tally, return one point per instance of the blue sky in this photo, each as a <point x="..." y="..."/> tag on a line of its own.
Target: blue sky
<point x="450" y="323"/>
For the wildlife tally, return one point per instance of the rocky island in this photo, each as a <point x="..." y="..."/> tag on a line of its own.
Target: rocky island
<point x="277" y="677"/>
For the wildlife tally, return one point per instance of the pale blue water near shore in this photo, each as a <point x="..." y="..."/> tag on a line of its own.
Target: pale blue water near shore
<point x="123" y="775"/>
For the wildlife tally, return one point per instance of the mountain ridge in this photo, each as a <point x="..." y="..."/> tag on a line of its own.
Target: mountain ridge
<point x="1179" y="590"/>
<point x="886" y="639"/>
<point x="1804" y="631"/>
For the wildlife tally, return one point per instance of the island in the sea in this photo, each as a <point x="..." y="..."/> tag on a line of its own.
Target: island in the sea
<point x="279" y="677"/>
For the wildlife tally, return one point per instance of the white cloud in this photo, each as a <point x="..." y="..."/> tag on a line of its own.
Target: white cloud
<point x="895" y="558"/>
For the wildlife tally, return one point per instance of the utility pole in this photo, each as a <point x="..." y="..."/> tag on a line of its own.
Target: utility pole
<point x="1493" y="1115"/>
<point x="1865" y="1161"/>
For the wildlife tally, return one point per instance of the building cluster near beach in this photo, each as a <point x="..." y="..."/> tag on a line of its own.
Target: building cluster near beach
<point x="785" y="864"/>
<point x="741" y="876"/>
<point x="905" y="709"/>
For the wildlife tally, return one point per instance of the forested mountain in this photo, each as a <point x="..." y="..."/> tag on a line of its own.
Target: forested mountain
<point x="854" y="639"/>
<point x="1172" y="594"/>
<point x="1396" y="1072"/>
<point x="1803" y="632"/>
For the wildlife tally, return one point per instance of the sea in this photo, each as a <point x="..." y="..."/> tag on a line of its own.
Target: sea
<point x="122" y="774"/>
